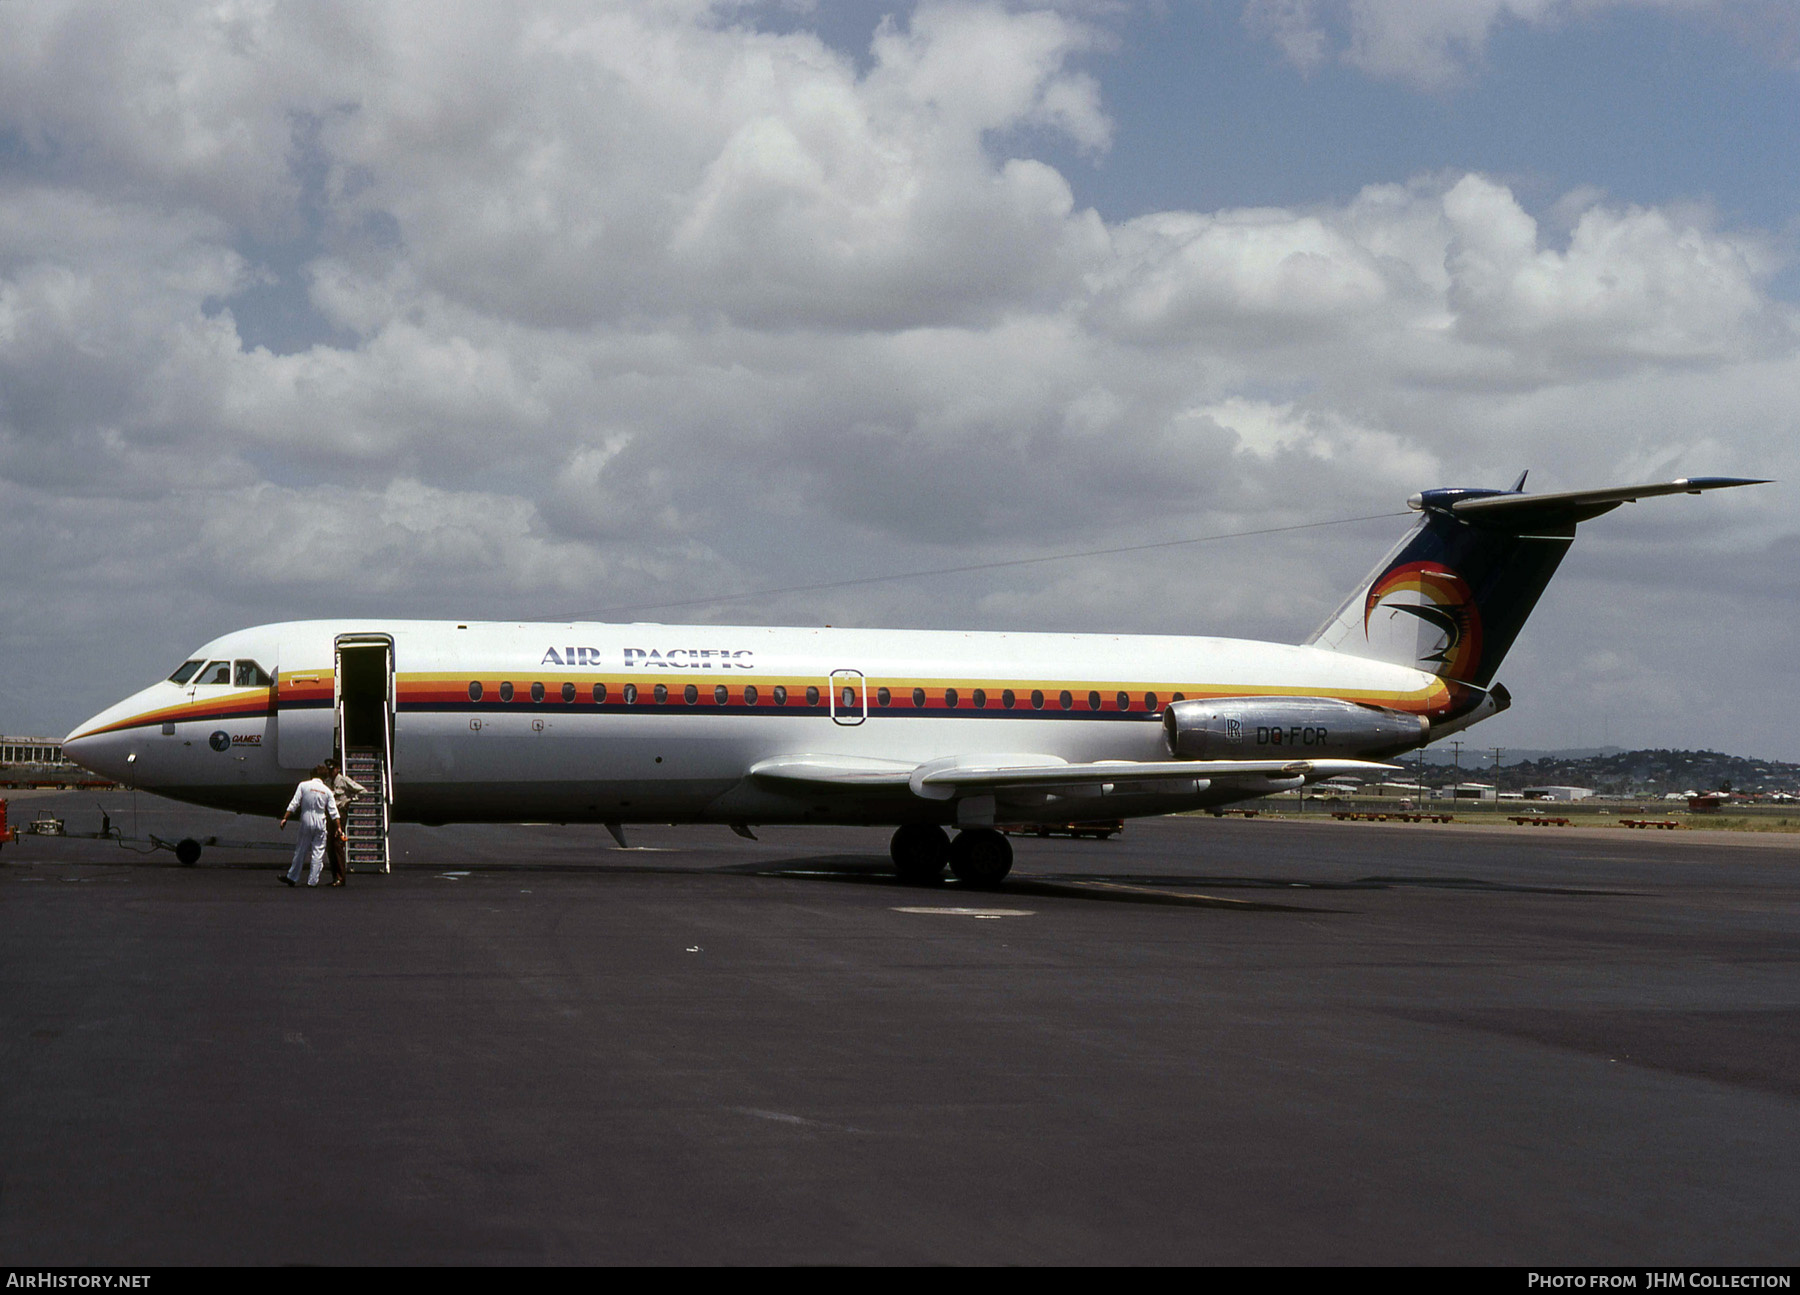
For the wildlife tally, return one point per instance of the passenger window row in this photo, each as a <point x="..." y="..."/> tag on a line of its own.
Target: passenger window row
<point x="884" y="697"/>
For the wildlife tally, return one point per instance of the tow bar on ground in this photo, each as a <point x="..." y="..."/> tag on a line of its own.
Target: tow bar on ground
<point x="186" y="851"/>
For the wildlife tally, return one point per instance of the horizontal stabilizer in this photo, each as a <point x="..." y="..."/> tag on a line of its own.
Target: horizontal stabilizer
<point x="1521" y="513"/>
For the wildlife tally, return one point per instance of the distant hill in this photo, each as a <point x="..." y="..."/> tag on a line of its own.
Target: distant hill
<point x="1477" y="756"/>
<point x="1613" y="772"/>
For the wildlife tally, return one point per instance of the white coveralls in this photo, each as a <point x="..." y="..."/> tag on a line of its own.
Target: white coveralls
<point x="317" y="810"/>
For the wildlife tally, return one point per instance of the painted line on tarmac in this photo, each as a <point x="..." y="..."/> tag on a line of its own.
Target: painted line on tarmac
<point x="1167" y="894"/>
<point x="782" y="1117"/>
<point x="1154" y="895"/>
<point x="969" y="912"/>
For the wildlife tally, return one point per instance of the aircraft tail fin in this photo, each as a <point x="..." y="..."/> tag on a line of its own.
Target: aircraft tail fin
<point x="1455" y="592"/>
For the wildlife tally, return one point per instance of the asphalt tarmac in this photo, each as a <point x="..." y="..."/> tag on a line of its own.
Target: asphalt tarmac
<point x="1205" y="1041"/>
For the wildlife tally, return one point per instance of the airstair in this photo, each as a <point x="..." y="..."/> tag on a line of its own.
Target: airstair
<point x="365" y="740"/>
<point x="366" y="817"/>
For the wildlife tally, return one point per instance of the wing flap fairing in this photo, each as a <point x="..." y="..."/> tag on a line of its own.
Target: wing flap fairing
<point x="841" y="771"/>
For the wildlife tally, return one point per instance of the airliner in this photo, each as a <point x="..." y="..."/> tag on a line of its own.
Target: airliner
<point x="928" y="732"/>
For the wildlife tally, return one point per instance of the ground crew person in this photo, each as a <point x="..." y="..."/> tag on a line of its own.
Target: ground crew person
<point x="344" y="789"/>
<point x="318" y="815"/>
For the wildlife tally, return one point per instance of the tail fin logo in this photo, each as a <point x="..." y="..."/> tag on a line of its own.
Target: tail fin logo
<point x="1432" y="606"/>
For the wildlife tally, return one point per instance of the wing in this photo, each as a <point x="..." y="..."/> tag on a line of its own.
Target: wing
<point x="989" y="774"/>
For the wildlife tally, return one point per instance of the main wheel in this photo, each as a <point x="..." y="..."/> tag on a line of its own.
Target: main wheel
<point x="919" y="851"/>
<point x="187" y="851"/>
<point x="980" y="857"/>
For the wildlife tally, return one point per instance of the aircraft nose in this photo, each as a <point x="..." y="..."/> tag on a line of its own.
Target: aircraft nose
<point x="91" y="750"/>
<point x="97" y="746"/>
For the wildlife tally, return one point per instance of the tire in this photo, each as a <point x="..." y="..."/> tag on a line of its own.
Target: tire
<point x="187" y="851"/>
<point x="919" y="851"/>
<point x="980" y="857"/>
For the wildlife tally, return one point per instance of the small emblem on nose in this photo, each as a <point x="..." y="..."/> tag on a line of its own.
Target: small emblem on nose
<point x="220" y="741"/>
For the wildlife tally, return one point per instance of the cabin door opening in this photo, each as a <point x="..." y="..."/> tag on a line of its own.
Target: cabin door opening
<point x="365" y="742"/>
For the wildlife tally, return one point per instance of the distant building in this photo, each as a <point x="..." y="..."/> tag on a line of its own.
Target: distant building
<point x="37" y="751"/>
<point x="1470" y="791"/>
<point x="1558" y="793"/>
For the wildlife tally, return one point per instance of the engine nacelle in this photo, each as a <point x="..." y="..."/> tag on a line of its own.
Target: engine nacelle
<point x="1265" y="728"/>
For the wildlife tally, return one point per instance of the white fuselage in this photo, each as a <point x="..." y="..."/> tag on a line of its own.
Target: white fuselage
<point x="593" y="722"/>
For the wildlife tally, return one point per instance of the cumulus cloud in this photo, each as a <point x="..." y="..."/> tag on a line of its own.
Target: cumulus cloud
<point x="611" y="303"/>
<point x="1451" y="278"/>
<point x="1261" y="274"/>
<point x="1631" y="283"/>
<point x="1430" y="44"/>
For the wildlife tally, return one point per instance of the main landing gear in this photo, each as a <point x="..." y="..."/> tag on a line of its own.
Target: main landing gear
<point x="979" y="856"/>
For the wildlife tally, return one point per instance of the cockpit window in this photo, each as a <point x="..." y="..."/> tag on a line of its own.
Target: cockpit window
<point x="215" y="672"/>
<point x="186" y="672"/>
<point x="250" y="675"/>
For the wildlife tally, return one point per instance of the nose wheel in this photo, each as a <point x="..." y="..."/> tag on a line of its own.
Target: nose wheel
<point x="980" y="857"/>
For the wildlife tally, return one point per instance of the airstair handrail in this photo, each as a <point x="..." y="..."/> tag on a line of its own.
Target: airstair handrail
<point x="387" y="761"/>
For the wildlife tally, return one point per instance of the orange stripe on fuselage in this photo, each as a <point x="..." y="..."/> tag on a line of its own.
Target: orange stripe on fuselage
<point x="238" y="705"/>
<point x="426" y="691"/>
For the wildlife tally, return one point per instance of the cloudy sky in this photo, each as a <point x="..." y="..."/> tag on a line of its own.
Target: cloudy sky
<point x="526" y="310"/>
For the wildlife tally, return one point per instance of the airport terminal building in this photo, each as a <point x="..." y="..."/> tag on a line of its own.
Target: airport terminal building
<point x="38" y="752"/>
